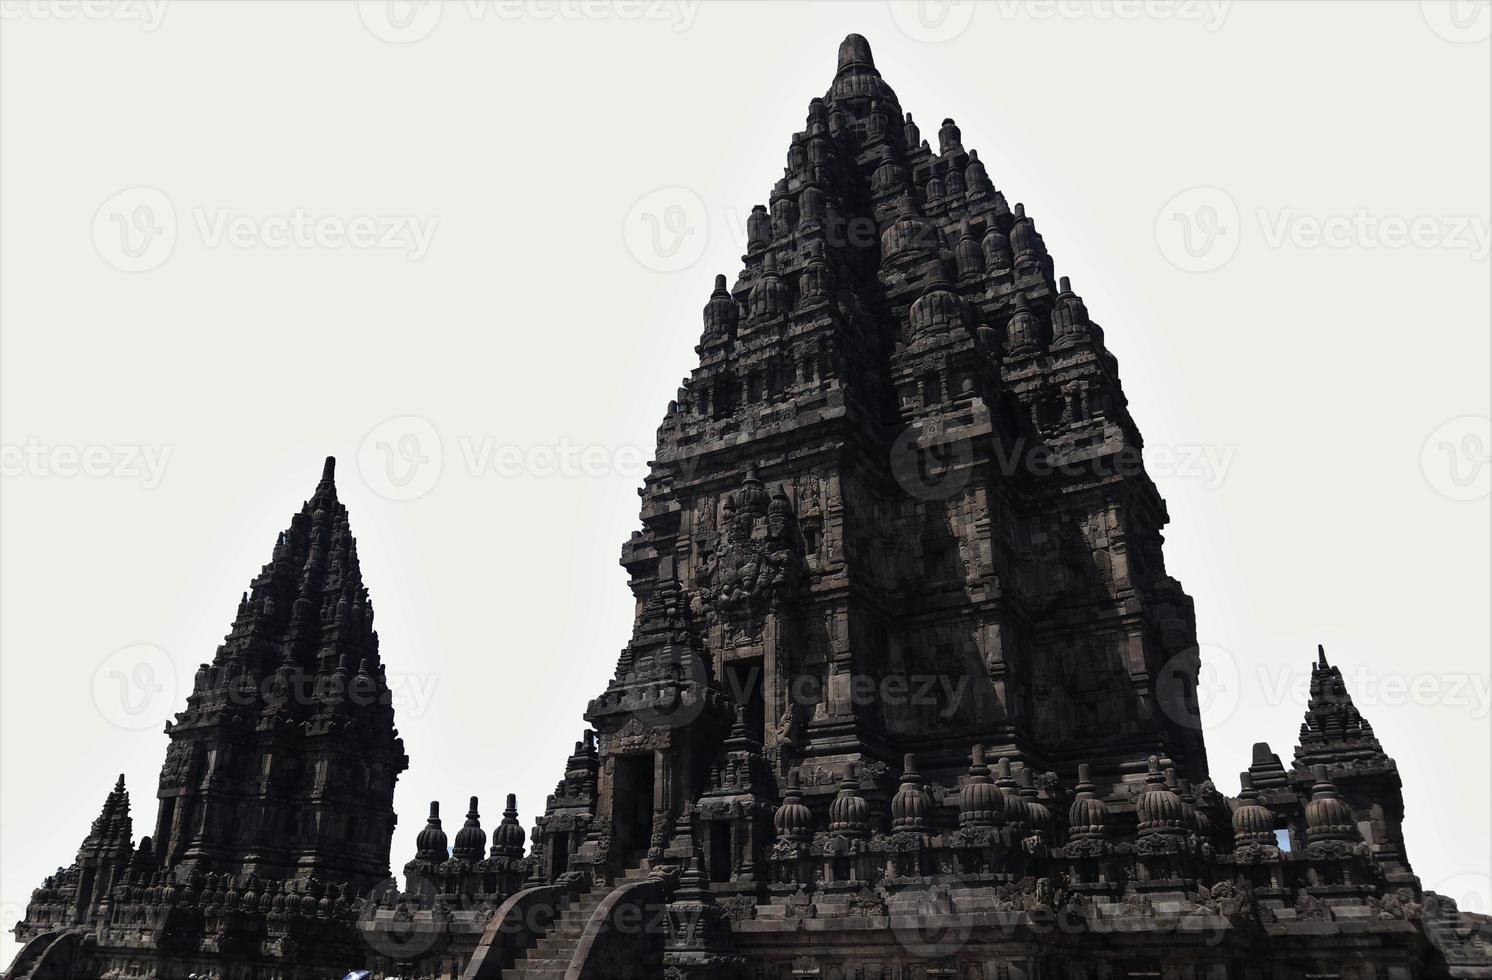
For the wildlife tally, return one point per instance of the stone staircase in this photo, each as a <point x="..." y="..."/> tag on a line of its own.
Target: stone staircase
<point x="25" y="962"/>
<point x="550" y="957"/>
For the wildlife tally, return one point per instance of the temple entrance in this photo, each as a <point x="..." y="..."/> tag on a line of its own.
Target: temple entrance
<point x="632" y="807"/>
<point x="720" y="863"/>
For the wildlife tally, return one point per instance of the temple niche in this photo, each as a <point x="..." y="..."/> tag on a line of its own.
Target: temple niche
<point x="909" y="692"/>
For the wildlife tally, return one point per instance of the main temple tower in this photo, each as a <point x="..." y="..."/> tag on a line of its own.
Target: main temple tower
<point x="899" y="506"/>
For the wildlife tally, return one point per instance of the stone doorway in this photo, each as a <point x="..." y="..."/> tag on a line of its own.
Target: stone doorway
<point x="720" y="850"/>
<point x="632" y="807"/>
<point x="559" y="855"/>
<point x="743" y="680"/>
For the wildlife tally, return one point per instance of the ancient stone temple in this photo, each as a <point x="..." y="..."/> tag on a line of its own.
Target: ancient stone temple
<point x="909" y="693"/>
<point x="275" y="803"/>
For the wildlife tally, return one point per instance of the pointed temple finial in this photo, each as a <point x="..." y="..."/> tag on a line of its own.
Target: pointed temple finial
<point x="793" y="821"/>
<point x="911" y="804"/>
<point x="329" y="470"/>
<point x="471" y="839"/>
<point x="1321" y="656"/>
<point x="509" y="840"/>
<point x="1265" y="770"/>
<point x="854" y="51"/>
<point x="430" y="843"/>
<point x="950" y="137"/>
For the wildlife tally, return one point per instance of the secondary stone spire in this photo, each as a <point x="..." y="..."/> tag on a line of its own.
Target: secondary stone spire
<point x="1333" y="729"/>
<point x="299" y="680"/>
<point x="112" y="830"/>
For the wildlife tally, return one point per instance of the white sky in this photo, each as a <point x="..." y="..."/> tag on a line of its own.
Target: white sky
<point x="1340" y="386"/>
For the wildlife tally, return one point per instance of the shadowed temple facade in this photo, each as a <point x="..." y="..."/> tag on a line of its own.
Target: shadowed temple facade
<point x="909" y="694"/>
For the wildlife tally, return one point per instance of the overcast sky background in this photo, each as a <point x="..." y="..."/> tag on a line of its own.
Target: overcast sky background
<point x="241" y="237"/>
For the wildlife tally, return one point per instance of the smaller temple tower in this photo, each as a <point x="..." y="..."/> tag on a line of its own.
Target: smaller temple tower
<point x="275" y="801"/>
<point x="1334" y="734"/>
<point x="79" y="894"/>
<point x="283" y="761"/>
